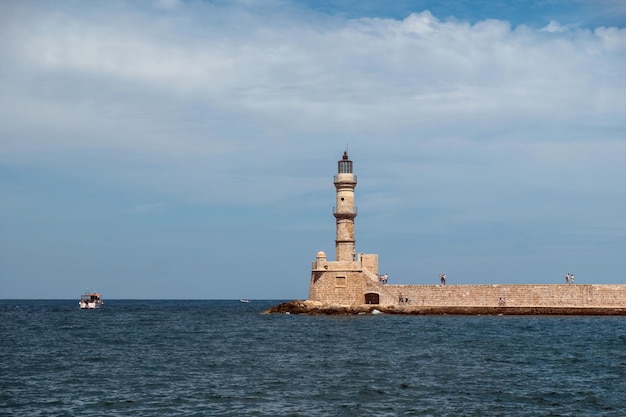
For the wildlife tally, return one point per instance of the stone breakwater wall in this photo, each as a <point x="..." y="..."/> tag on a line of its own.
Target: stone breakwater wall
<point x="531" y="295"/>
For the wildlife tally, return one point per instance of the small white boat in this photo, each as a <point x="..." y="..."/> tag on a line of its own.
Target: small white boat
<point x="90" y="300"/>
<point x="244" y="301"/>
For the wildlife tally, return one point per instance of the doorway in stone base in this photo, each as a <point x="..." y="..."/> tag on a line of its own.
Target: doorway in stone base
<point x="372" y="298"/>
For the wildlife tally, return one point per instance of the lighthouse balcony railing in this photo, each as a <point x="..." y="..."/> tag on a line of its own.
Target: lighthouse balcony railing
<point x="336" y="178"/>
<point x="355" y="212"/>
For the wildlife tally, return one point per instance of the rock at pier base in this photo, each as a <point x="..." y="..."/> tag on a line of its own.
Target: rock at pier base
<point x="314" y="308"/>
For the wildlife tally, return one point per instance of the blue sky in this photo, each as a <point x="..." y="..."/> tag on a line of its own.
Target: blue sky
<point x="186" y="149"/>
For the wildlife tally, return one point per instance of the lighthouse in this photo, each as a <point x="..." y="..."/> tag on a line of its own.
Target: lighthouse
<point x="349" y="279"/>
<point x="344" y="210"/>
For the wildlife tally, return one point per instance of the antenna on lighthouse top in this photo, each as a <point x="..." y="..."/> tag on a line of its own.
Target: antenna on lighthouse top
<point x="345" y="153"/>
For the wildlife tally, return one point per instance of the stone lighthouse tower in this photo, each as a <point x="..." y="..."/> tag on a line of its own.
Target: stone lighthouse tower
<point x="344" y="211"/>
<point x="349" y="279"/>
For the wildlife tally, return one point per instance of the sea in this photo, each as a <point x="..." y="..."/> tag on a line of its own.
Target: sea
<point x="226" y="358"/>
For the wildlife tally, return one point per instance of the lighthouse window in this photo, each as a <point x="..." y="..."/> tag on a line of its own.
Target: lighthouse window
<point x="341" y="198"/>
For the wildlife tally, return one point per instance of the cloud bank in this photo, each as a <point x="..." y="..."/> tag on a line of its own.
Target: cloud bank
<point x="291" y="73"/>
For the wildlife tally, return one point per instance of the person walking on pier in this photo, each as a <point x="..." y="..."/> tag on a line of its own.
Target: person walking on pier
<point x="443" y="279"/>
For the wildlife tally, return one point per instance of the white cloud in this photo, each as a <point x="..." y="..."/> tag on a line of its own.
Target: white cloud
<point x="554" y="26"/>
<point x="371" y="72"/>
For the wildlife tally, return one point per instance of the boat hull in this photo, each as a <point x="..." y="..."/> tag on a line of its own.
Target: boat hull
<point x="88" y="306"/>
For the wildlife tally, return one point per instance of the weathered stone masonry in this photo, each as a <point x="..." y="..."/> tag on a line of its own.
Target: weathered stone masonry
<point x="514" y="295"/>
<point x="352" y="279"/>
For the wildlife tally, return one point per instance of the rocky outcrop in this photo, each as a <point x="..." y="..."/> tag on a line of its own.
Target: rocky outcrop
<point x="316" y="308"/>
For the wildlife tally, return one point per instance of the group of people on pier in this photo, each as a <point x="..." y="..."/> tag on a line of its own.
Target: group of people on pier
<point x="569" y="278"/>
<point x="383" y="278"/>
<point x="403" y="299"/>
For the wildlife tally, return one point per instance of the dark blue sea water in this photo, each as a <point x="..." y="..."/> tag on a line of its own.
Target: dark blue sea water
<point x="224" y="358"/>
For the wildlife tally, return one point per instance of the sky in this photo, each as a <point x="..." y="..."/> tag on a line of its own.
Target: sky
<point x="186" y="149"/>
